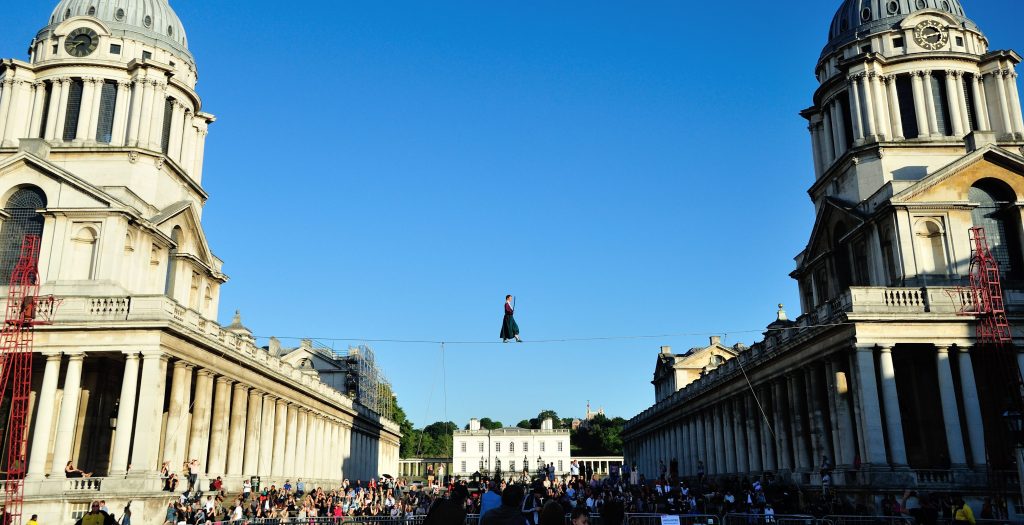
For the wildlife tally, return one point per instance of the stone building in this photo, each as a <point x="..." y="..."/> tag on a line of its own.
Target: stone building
<point x="917" y="135"/>
<point x="510" y="450"/>
<point x="101" y="153"/>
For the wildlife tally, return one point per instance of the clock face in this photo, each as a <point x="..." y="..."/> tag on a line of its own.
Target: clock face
<point x="931" y="35"/>
<point x="81" y="42"/>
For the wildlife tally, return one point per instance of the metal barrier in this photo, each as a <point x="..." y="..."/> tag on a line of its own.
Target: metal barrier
<point x="769" y="519"/>
<point x="868" y="520"/>
<point x="684" y="519"/>
<point x="330" y="520"/>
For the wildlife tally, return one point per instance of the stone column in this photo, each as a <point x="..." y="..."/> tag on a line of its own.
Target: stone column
<point x="720" y="460"/>
<point x="844" y="420"/>
<point x="38" y="101"/>
<point x="177" y="127"/>
<point x="146" y="444"/>
<point x="177" y="415"/>
<point x="280" y="429"/>
<point x="799" y="424"/>
<point x="1014" y="95"/>
<point x="291" y="433"/>
<point x="881" y="107"/>
<point x="120" y="129"/>
<point x="871" y="127"/>
<point x="199" y="435"/>
<point x="237" y="438"/>
<point x="981" y="102"/>
<point x="311" y="450"/>
<point x="139" y="94"/>
<point x="768" y="439"/>
<point x="929" y="103"/>
<point x="217" y="463"/>
<point x="890" y="398"/>
<point x="57" y="87"/>
<point x="895" y="112"/>
<point x="156" y="123"/>
<point x="867" y="388"/>
<point x="6" y="97"/>
<point x="784" y="447"/>
<point x="739" y="436"/>
<point x="920" y="106"/>
<point x="85" y="110"/>
<point x="838" y="120"/>
<point x="819" y="434"/>
<point x="700" y="434"/>
<point x="188" y="143"/>
<point x="66" y="422"/>
<point x="94" y="111"/>
<point x="125" y="415"/>
<point x="835" y="141"/>
<point x="319" y="440"/>
<point x="972" y="410"/>
<point x="950" y="412"/>
<point x="149" y="110"/>
<point x="753" y="416"/>
<point x="266" y="436"/>
<point x="855" y="108"/>
<point x="43" y="421"/>
<point x="253" y="428"/>
<point x="816" y="149"/>
<point x="965" y="112"/>
<point x="300" y="442"/>
<point x="828" y="146"/>
<point x="954" y="97"/>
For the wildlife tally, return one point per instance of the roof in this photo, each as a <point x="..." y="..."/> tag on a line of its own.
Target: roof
<point x="859" y="19"/>
<point x="145" y="20"/>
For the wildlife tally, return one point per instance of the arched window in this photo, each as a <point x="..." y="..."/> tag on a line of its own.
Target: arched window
<point x="511" y="446"/>
<point x="208" y="302"/>
<point x="995" y="212"/>
<point x="83" y="254"/>
<point x="931" y="242"/>
<point x="23" y="218"/>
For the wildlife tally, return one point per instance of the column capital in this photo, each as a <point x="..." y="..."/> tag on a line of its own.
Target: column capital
<point x="224" y="380"/>
<point x="52" y="356"/>
<point x="75" y="356"/>
<point x="268" y="397"/>
<point x="888" y="78"/>
<point x="183" y="364"/>
<point x="282" y="401"/>
<point x="253" y="391"/>
<point x="155" y="354"/>
<point x="885" y="348"/>
<point x="865" y="347"/>
<point x="130" y="354"/>
<point x="942" y="348"/>
<point x="239" y="385"/>
<point x="954" y="73"/>
<point x="204" y="372"/>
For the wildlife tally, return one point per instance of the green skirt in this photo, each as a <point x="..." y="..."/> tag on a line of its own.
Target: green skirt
<point x="509" y="328"/>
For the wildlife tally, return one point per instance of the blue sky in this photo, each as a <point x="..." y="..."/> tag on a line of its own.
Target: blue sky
<point x="390" y="170"/>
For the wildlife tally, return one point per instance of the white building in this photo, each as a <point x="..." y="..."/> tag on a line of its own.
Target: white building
<point x="509" y="450"/>
<point x="917" y="136"/>
<point x="101" y="153"/>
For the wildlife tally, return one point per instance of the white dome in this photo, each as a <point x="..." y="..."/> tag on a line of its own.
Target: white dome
<point x="859" y="19"/>
<point x="145" y="20"/>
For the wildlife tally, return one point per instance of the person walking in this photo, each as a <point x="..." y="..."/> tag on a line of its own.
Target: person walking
<point x="509" y="328"/>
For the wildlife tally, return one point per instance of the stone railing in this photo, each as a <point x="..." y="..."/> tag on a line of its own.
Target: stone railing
<point x="83" y="484"/>
<point x="164" y="311"/>
<point x="932" y="478"/>
<point x="510" y="432"/>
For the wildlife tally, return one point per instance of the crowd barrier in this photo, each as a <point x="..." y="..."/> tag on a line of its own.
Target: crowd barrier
<point x="867" y="520"/>
<point x="769" y="519"/>
<point x="684" y="519"/>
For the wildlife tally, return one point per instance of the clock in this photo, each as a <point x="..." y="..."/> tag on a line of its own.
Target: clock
<point x="81" y="42"/>
<point x="931" y="35"/>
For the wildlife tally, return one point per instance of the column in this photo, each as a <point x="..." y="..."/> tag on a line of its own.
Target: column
<point x="816" y="147"/>
<point x="177" y="127"/>
<point x="139" y="94"/>
<point x="739" y="436"/>
<point x="146" y="444"/>
<point x="319" y="440"/>
<point x="253" y="426"/>
<point x="57" y="87"/>
<point x="237" y="437"/>
<point x="44" y="417"/>
<point x="895" y="112"/>
<point x="867" y="388"/>
<point x="188" y="143"/>
<point x="291" y="433"/>
<point x="801" y="425"/>
<point x="94" y="110"/>
<point x="838" y="120"/>
<point x="148" y="113"/>
<point x="920" y="107"/>
<point x="266" y="436"/>
<point x="828" y="134"/>
<point x="855" y="109"/>
<point x="833" y="422"/>
<point x="871" y="129"/>
<point x="981" y="102"/>
<point x="701" y="437"/>
<point x="818" y="431"/>
<point x="961" y="92"/>
<point x="199" y="435"/>
<point x="6" y="96"/>
<point x="280" y="427"/>
<point x="156" y="123"/>
<point x="1014" y="95"/>
<point x="844" y="416"/>
<point x="785" y="450"/>
<point x="85" y="111"/>
<point x="177" y="412"/>
<point x="950" y="412"/>
<point x="38" y="101"/>
<point x="972" y="410"/>
<point x="200" y="153"/>
<point x="753" y="443"/>
<point x="300" y="442"/>
<point x="120" y="129"/>
<point x="217" y="462"/>
<point x="720" y="461"/>
<point x="891" y="402"/>
<point x="125" y="415"/>
<point x="311" y="449"/>
<point x="68" y="417"/>
<point x="929" y="103"/>
<point x="768" y="452"/>
<point x="954" y="97"/>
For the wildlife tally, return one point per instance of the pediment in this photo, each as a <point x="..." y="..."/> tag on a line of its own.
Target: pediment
<point x="63" y="189"/>
<point x="184" y="215"/>
<point x="832" y="212"/>
<point x="951" y="183"/>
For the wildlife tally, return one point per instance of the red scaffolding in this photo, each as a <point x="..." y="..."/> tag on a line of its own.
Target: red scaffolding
<point x="25" y="310"/>
<point x="985" y="295"/>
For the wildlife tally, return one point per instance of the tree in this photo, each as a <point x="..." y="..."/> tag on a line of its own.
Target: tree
<point x="536" y="422"/>
<point x="487" y="424"/>
<point x="524" y="424"/>
<point x="599" y="437"/>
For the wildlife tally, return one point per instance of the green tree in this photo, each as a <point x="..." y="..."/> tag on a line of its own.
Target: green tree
<point x="601" y="436"/>
<point x="488" y="424"/>
<point x="524" y="424"/>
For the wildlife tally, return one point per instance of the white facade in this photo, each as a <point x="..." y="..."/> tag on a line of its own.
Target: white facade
<point x="101" y="153"/>
<point x="509" y="450"/>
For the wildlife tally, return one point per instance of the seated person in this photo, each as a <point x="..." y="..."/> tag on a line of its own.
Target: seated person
<point x="71" y="472"/>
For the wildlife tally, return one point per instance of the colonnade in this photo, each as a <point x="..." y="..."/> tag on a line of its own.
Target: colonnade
<point x="828" y="408"/>
<point x="874" y="112"/>
<point x="232" y="428"/>
<point x="40" y="109"/>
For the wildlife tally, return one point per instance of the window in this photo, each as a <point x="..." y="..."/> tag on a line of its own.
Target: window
<point x="512" y="446"/>
<point x="24" y="219"/>
<point x="511" y="466"/>
<point x="497" y="446"/>
<point x="146" y="55"/>
<point x="960" y="41"/>
<point x="46" y="110"/>
<point x="193" y="292"/>
<point x="931" y="240"/>
<point x="995" y="213"/>
<point x="972" y="106"/>
<point x="481" y="447"/>
<point x="463" y="464"/>
<point x="108" y="101"/>
<point x="481" y="467"/>
<point x="897" y="42"/>
<point x="560" y="465"/>
<point x="73" y="109"/>
<point x="208" y="303"/>
<point x="165" y="138"/>
<point x="526" y="446"/>
<point x="463" y="449"/>
<point x="941" y="101"/>
<point x="83" y="253"/>
<point x="908" y="111"/>
<point x="559" y="448"/>
<point x="542" y="446"/>
<point x="115" y="49"/>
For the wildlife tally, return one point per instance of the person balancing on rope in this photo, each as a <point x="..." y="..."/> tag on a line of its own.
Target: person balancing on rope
<point x="509" y="328"/>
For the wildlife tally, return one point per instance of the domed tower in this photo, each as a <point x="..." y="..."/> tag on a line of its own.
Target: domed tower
<point x="104" y="119"/>
<point x="907" y="89"/>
